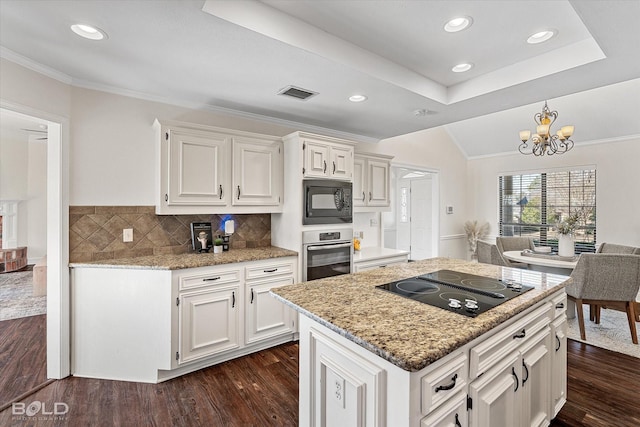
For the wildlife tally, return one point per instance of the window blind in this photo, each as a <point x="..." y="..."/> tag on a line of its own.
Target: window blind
<point x="533" y="204"/>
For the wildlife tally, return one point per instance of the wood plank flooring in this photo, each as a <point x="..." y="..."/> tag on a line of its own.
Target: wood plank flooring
<point x="262" y="390"/>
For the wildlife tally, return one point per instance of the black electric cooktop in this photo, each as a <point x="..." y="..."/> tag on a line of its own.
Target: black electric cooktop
<point x="462" y="293"/>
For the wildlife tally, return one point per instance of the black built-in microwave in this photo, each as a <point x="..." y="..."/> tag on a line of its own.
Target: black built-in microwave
<point x="327" y="202"/>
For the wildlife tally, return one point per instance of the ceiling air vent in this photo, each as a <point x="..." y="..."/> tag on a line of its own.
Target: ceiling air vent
<point x="297" y="92"/>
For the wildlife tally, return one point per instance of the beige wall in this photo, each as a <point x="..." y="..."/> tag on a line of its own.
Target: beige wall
<point x="617" y="185"/>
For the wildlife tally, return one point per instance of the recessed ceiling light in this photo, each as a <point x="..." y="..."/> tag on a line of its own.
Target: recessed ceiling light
<point x="541" y="36"/>
<point x="461" y="68"/>
<point x="458" y="24"/>
<point x="88" y="32"/>
<point x="357" y="98"/>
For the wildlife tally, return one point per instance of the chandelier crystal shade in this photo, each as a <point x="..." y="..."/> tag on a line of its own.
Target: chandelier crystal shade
<point x="543" y="140"/>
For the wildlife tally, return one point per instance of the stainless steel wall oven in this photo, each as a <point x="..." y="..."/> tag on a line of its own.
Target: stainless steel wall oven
<point x="326" y="253"/>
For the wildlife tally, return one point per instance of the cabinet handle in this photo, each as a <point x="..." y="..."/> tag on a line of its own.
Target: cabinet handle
<point x="363" y="196"/>
<point x="270" y="271"/>
<point x="238" y="192"/>
<point x="166" y="197"/>
<point x="560" y="305"/>
<point x="324" y="169"/>
<point x="520" y="335"/>
<point x="233" y="299"/>
<point x="526" y="370"/>
<point x="559" y="343"/>
<point x="370" y="196"/>
<point x="251" y="296"/>
<point x="513" y="372"/>
<point x="448" y="386"/>
<point x="211" y="279"/>
<point x="334" y="168"/>
<point x="458" y="422"/>
<point x="220" y="191"/>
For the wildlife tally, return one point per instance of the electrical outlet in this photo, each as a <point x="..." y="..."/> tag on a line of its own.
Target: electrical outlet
<point x="361" y="234"/>
<point x="339" y="391"/>
<point x="127" y="235"/>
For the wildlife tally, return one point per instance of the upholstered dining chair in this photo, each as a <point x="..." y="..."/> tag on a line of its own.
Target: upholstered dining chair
<point x="506" y="244"/>
<point x="606" y="280"/>
<point x="488" y="253"/>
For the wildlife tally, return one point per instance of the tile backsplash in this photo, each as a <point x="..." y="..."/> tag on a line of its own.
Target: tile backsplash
<point x="95" y="232"/>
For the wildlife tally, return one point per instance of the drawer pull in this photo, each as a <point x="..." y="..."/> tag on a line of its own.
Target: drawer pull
<point x="520" y="335"/>
<point x="560" y="305"/>
<point x="448" y="386"/>
<point x="233" y="299"/>
<point x="324" y="169"/>
<point x="513" y="372"/>
<point x="363" y="196"/>
<point x="558" y="341"/>
<point x="238" y="192"/>
<point x="334" y="168"/>
<point x="211" y="279"/>
<point x="220" y="191"/>
<point x="273" y="270"/>
<point x="526" y="371"/>
<point x="458" y="422"/>
<point x="251" y="296"/>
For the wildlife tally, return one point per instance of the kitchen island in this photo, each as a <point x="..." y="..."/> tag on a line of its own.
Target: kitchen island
<point x="368" y="357"/>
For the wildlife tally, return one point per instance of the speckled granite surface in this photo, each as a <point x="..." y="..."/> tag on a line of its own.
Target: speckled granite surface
<point x="191" y="260"/>
<point x="408" y="333"/>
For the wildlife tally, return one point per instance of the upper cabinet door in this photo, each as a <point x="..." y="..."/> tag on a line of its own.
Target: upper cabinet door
<point x="316" y="159"/>
<point x="341" y="162"/>
<point x="257" y="172"/>
<point x="359" y="182"/>
<point x="378" y="179"/>
<point x="197" y="169"/>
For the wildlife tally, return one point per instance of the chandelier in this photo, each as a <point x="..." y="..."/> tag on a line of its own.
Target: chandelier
<point x="543" y="141"/>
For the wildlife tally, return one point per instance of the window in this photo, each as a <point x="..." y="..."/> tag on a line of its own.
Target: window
<point x="532" y="204"/>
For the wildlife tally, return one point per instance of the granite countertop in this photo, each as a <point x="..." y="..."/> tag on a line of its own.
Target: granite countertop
<point x="189" y="260"/>
<point x="407" y="333"/>
<point x="373" y="252"/>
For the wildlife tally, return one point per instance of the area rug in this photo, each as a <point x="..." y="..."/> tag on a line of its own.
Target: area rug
<point x="16" y="296"/>
<point x="612" y="333"/>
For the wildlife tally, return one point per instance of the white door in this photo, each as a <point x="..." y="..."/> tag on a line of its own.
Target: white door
<point x="378" y="183"/>
<point x="535" y="381"/>
<point x="341" y="162"/>
<point x="359" y="182"/>
<point x="316" y="158"/>
<point x="266" y="316"/>
<point x="421" y="229"/>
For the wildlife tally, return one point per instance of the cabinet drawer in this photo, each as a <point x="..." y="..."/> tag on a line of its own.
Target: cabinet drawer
<point x="490" y="351"/>
<point x="379" y="263"/>
<point x="268" y="270"/>
<point x="443" y="382"/>
<point x="207" y="278"/>
<point x="559" y="304"/>
<point x="452" y="413"/>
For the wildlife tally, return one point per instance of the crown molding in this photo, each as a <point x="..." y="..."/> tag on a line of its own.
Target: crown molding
<point x="32" y="65"/>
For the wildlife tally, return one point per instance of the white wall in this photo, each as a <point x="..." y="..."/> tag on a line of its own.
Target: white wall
<point x="617" y="185"/>
<point x="35" y="206"/>
<point x="435" y="150"/>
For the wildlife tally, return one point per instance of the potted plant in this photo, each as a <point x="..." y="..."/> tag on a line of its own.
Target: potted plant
<point x="566" y="239"/>
<point x="217" y="245"/>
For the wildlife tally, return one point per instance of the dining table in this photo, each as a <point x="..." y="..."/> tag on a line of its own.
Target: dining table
<point x="547" y="263"/>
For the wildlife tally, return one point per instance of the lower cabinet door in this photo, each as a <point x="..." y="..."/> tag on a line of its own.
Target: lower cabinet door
<point x="266" y="317"/>
<point x="452" y="413"/>
<point x="558" y="364"/>
<point x="494" y="395"/>
<point x="209" y="322"/>
<point x="534" y="383"/>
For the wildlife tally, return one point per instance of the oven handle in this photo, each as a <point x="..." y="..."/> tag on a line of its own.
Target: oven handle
<point x="329" y="246"/>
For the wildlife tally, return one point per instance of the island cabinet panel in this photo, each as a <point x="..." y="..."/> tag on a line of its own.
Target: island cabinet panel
<point x="502" y="378"/>
<point x="150" y="325"/>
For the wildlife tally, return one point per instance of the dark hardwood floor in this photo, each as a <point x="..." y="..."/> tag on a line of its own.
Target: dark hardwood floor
<point x="262" y="390"/>
<point x="23" y="358"/>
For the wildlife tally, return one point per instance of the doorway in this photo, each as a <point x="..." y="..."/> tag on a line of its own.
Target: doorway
<point x="413" y="222"/>
<point x="57" y="236"/>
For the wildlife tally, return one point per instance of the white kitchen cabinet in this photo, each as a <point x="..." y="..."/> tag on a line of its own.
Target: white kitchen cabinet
<point x="324" y="157"/>
<point x="209" y="322"/>
<point x="205" y="170"/>
<point x="266" y="317"/>
<point x="371" y="182"/>
<point x="378" y="263"/>
<point x="197" y="168"/>
<point x="559" y="356"/>
<point x="369" y="258"/>
<point x="452" y="414"/>
<point x="151" y="325"/>
<point x="257" y="172"/>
